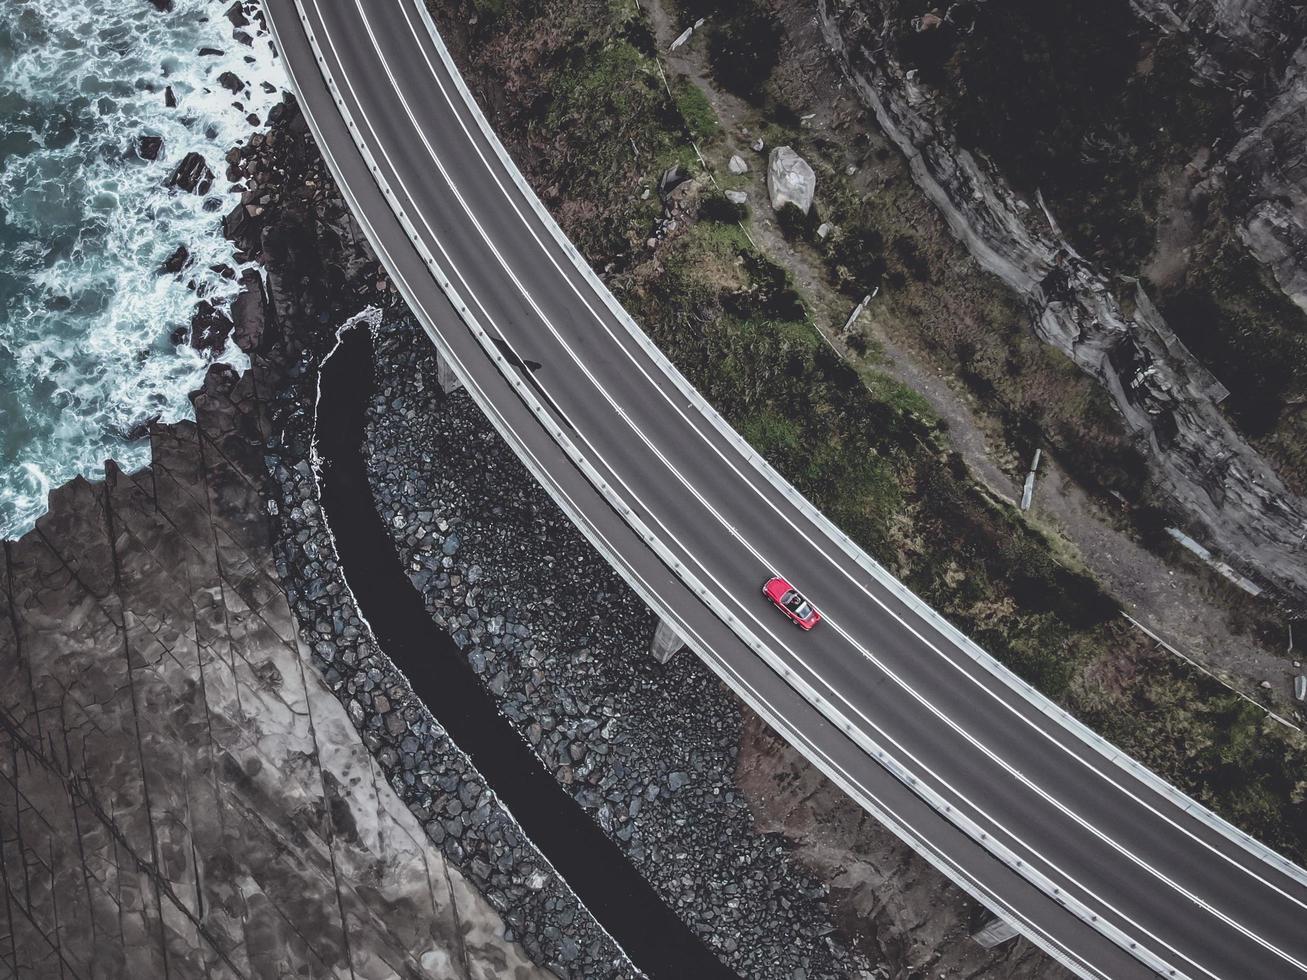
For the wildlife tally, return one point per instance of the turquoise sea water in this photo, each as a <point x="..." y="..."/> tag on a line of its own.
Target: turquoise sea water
<point x="85" y="223"/>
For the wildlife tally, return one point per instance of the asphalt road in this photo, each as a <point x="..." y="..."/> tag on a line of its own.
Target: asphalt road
<point x="1110" y="871"/>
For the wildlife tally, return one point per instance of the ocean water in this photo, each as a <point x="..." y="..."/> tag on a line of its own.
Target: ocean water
<point x="85" y="223"/>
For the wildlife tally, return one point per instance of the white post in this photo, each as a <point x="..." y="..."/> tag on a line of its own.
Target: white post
<point x="1028" y="491"/>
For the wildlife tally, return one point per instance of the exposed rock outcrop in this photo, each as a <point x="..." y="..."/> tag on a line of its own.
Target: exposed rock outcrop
<point x="1229" y="494"/>
<point x="186" y="796"/>
<point x="192" y="174"/>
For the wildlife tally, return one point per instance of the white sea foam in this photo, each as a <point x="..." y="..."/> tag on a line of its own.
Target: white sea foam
<point x="85" y="224"/>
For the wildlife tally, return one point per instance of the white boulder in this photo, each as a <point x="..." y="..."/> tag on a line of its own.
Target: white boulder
<point x="790" y="179"/>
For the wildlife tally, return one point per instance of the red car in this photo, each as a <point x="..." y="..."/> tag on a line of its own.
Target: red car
<point x="787" y="599"/>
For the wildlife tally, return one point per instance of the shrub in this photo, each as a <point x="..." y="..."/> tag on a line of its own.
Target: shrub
<point x="744" y="47"/>
<point x="715" y="207"/>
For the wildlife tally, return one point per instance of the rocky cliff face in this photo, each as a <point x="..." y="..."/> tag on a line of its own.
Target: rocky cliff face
<point x="1228" y="493"/>
<point x="1232" y="40"/>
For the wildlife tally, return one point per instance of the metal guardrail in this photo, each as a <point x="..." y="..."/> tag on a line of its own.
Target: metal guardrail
<point x="883" y="811"/>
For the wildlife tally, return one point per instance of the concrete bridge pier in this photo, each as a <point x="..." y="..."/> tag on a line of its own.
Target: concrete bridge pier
<point x="994" y="933"/>
<point x="666" y="642"/>
<point x="445" y="375"/>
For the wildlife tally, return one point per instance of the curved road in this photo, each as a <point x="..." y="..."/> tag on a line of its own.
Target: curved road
<point x="1111" y="871"/>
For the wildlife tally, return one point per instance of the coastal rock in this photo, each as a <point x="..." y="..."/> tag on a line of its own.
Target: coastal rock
<point x="174" y="263"/>
<point x="790" y="179"/>
<point x="249" y="313"/>
<point x="233" y="783"/>
<point x="192" y="175"/>
<point x="149" y="147"/>
<point x="210" y="328"/>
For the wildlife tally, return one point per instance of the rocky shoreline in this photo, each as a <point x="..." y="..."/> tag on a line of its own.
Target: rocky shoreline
<point x="320" y="273"/>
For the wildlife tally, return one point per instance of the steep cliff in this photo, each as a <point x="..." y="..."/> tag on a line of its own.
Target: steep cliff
<point x="1226" y="491"/>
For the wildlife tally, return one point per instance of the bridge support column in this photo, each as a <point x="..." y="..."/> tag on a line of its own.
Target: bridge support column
<point x="445" y="376"/>
<point x="666" y="641"/>
<point x="994" y="933"/>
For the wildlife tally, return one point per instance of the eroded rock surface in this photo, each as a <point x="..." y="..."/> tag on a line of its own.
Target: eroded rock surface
<point x="183" y="794"/>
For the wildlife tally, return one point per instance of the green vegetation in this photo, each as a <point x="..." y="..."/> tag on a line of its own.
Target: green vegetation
<point x="1079" y="100"/>
<point x="744" y="42"/>
<point x="1235" y="319"/>
<point x="868" y="454"/>
<point x="693" y="105"/>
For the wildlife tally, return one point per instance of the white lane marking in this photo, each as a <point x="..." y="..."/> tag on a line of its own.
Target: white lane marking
<point x="884" y="812"/>
<point x="431" y="232"/>
<point x="889" y="583"/>
<point x="768" y="562"/>
<point x="653" y="543"/>
<point x="1048" y="736"/>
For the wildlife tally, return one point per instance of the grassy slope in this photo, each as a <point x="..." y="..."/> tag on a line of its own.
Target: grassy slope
<point x="575" y="86"/>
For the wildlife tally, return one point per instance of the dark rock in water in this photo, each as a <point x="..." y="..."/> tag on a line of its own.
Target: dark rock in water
<point x="163" y="6"/>
<point x="236" y="14"/>
<point x="210" y="328"/>
<point x="250" y="313"/>
<point x="192" y="175"/>
<point x="231" y="82"/>
<point x="210" y="52"/>
<point x="149" y="147"/>
<point x="170" y="97"/>
<point x="240" y="227"/>
<point x="140" y="429"/>
<point x="244" y="38"/>
<point x="174" y="263"/>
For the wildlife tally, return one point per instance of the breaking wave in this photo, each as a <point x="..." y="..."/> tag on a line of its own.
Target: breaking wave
<point x="86" y="320"/>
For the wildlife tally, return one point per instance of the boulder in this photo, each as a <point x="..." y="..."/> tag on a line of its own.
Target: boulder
<point x="737" y="197"/>
<point x="736" y="165"/>
<point x="231" y="82"/>
<point x="672" y="178"/>
<point x="192" y="174"/>
<point x="790" y="180"/>
<point x="249" y="312"/>
<point x="174" y="263"/>
<point x="149" y="147"/>
<point x="210" y="328"/>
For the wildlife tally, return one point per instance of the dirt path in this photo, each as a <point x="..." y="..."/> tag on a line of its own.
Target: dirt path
<point x="1183" y="602"/>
